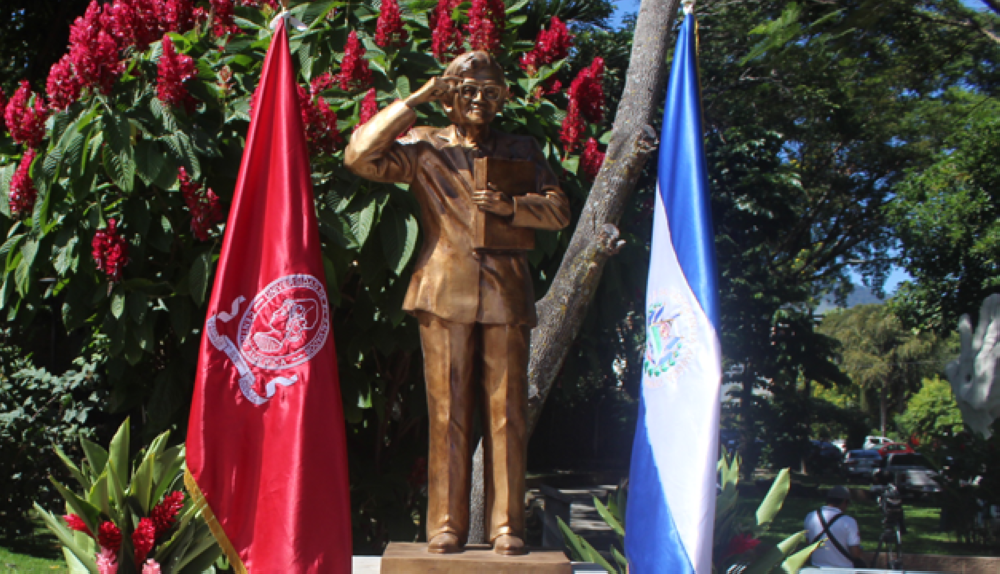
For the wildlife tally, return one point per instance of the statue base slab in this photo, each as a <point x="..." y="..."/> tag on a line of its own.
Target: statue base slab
<point x="413" y="558"/>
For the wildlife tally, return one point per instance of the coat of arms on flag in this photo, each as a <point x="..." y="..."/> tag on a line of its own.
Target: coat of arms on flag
<point x="670" y="343"/>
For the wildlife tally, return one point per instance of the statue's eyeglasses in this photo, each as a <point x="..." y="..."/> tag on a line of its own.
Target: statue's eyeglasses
<point x="469" y="89"/>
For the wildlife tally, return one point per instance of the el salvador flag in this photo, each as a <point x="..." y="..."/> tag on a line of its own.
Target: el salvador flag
<point x="671" y="504"/>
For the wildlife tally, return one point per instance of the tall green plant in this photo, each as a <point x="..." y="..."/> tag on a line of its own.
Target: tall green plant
<point x="735" y="539"/>
<point x="130" y="512"/>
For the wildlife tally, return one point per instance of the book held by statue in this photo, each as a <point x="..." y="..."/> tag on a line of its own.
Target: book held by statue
<point x="513" y="177"/>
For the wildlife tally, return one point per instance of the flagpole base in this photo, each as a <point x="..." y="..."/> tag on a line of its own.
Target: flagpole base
<point x="413" y="558"/>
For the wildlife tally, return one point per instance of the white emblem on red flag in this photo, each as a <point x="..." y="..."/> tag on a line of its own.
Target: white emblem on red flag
<point x="285" y="326"/>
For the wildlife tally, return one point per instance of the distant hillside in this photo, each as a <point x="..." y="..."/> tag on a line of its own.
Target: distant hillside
<point x="860" y="296"/>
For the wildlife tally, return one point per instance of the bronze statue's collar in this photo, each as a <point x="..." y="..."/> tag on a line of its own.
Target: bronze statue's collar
<point x="451" y="136"/>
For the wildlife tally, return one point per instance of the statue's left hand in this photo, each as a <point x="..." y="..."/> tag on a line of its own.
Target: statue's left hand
<point x="492" y="201"/>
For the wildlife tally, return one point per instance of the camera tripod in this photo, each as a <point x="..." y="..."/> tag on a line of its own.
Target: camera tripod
<point x="892" y="539"/>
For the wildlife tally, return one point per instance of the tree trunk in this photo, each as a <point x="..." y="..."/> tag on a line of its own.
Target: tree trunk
<point x="596" y="238"/>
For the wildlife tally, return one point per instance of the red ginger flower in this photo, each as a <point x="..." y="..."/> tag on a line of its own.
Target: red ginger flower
<point x="143" y="539"/>
<point x="93" y="51"/>
<point x="63" y="86"/>
<point x="486" y="23"/>
<point x="176" y="15"/>
<point x="354" y="70"/>
<point x="224" y="20"/>
<point x="389" y="28"/>
<point x="369" y="107"/>
<point x="588" y="91"/>
<point x="76" y="523"/>
<point x="26" y="123"/>
<point x="23" y="193"/>
<point x="174" y="69"/>
<point x="551" y="45"/>
<point x="164" y="514"/>
<point x="446" y="38"/>
<point x="109" y="536"/>
<point x="739" y="544"/>
<point x="592" y="159"/>
<point x="202" y="203"/>
<point x="110" y="251"/>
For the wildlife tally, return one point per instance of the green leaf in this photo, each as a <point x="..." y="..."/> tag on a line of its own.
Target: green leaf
<point x="117" y="303"/>
<point x="606" y="515"/>
<point x="149" y="161"/>
<point x="796" y="561"/>
<point x="137" y="306"/>
<point x="363" y="219"/>
<point x="96" y="456"/>
<point x="67" y="539"/>
<point x="85" y="510"/>
<point x="771" y="504"/>
<point x="118" y="457"/>
<point x="73" y="469"/>
<point x="399" y="239"/>
<point x="200" y="270"/>
<point x="581" y="549"/>
<point x="24" y="272"/>
<point x="6" y="174"/>
<point x="120" y="168"/>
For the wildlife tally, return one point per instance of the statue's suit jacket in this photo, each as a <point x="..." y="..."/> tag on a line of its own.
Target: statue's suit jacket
<point x="452" y="280"/>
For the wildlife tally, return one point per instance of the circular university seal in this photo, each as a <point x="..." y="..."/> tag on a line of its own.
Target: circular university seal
<point x="670" y="339"/>
<point x="286" y="324"/>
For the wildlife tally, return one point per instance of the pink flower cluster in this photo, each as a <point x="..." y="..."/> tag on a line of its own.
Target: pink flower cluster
<point x="173" y="70"/>
<point x="551" y="45"/>
<point x="354" y="70"/>
<point x="592" y="159"/>
<point x="143" y="539"/>
<point x="369" y="107"/>
<point x="319" y="120"/>
<point x="107" y="562"/>
<point x="446" y="39"/>
<point x="487" y="19"/>
<point x="98" y="39"/>
<point x="389" y="30"/>
<point x="151" y="567"/>
<point x="586" y="101"/>
<point x="26" y="122"/>
<point x="110" y="251"/>
<point x="22" y="189"/>
<point x="202" y="203"/>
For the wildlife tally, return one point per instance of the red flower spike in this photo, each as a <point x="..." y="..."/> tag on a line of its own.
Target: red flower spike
<point x="588" y="91"/>
<point x="143" y="539"/>
<point x="572" y="127"/>
<point x="354" y="70"/>
<point x="224" y="19"/>
<point x="256" y="3"/>
<point x="74" y="522"/>
<point x="93" y="50"/>
<point x="389" y="30"/>
<point x="23" y="192"/>
<point x="176" y="15"/>
<point x="320" y="84"/>
<point x="174" y="69"/>
<point x="26" y="123"/>
<point x="109" y="536"/>
<point x="121" y="21"/>
<point x="486" y="24"/>
<point x="592" y="159"/>
<point x="739" y="544"/>
<point x="62" y="87"/>
<point x="319" y="120"/>
<point x="447" y="38"/>
<point x="369" y="107"/>
<point x="164" y="514"/>
<point x="551" y="45"/>
<point x="203" y="205"/>
<point x="110" y="251"/>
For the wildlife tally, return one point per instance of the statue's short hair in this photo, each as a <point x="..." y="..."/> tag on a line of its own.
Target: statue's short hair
<point x="473" y="62"/>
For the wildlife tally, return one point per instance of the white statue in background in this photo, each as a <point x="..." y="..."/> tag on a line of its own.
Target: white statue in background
<point x="973" y="375"/>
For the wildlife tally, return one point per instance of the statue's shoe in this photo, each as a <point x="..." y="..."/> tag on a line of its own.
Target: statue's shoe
<point x="444" y="543"/>
<point x="508" y="545"/>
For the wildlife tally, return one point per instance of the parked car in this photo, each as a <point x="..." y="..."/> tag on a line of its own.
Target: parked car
<point x="824" y="457"/>
<point x="911" y="473"/>
<point x="861" y="463"/>
<point x="874" y="442"/>
<point x="894" y="447"/>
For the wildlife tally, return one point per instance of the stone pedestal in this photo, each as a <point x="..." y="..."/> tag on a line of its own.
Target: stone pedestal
<point x="413" y="558"/>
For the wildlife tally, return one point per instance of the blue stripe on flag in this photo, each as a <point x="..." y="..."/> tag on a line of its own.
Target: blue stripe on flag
<point x="652" y="544"/>
<point x="683" y="174"/>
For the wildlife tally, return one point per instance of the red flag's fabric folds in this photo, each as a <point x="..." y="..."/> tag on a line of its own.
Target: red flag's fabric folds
<point x="265" y="446"/>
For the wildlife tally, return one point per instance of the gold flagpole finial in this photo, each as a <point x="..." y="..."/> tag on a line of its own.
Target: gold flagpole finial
<point x="688" y="6"/>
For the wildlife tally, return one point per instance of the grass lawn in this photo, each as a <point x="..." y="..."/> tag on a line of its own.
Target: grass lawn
<point x="808" y="494"/>
<point x="35" y="555"/>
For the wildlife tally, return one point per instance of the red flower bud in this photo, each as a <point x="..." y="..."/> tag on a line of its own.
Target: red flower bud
<point x="110" y="251"/>
<point x="592" y="159"/>
<point x="551" y="45"/>
<point x="487" y="19"/>
<point x="143" y="539"/>
<point x="76" y="523"/>
<point x="164" y="514"/>
<point x="354" y="70"/>
<point x="224" y="19"/>
<point x="389" y="28"/>
<point x="447" y="38"/>
<point x="202" y="203"/>
<point x="26" y="123"/>
<point x="173" y="70"/>
<point x="22" y="189"/>
<point x="369" y="107"/>
<point x="109" y="536"/>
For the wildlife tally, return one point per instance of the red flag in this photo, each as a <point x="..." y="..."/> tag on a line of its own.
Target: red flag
<point x="265" y="445"/>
